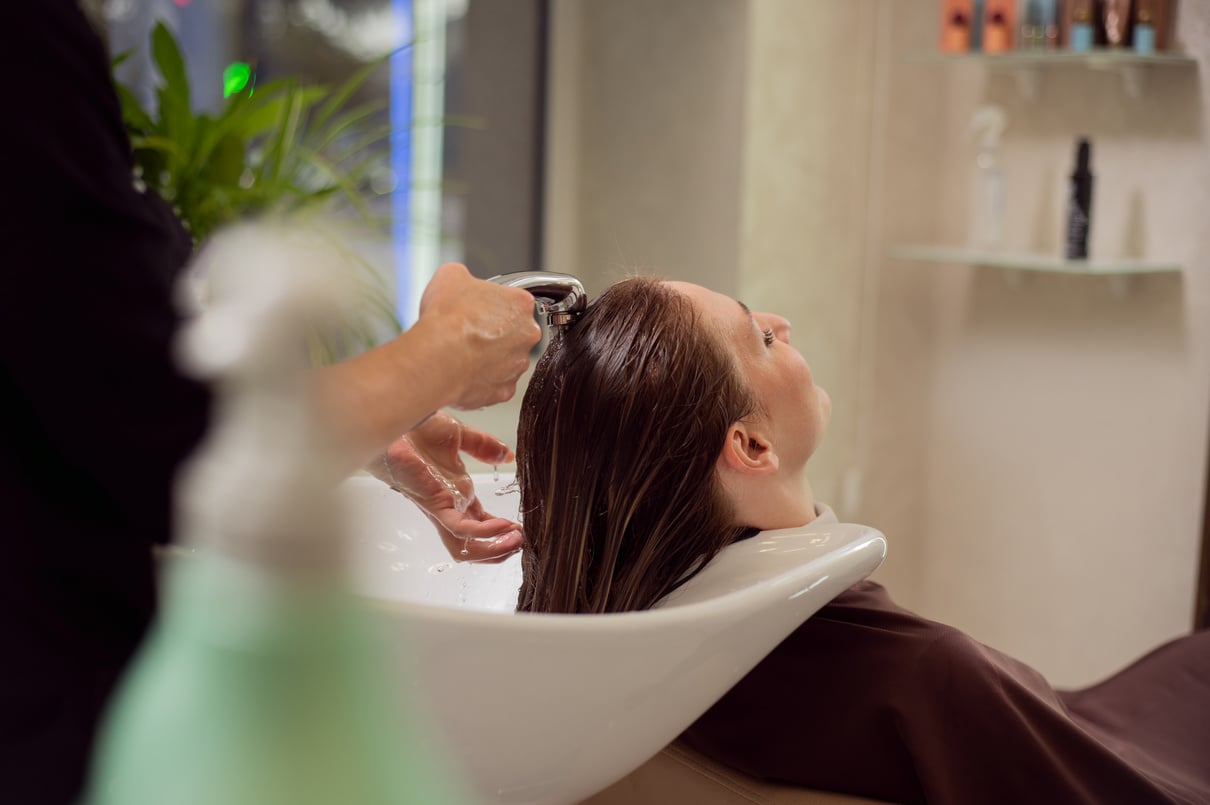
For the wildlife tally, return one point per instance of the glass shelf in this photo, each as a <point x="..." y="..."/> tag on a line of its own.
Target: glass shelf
<point x="1098" y="58"/>
<point x="1031" y="262"/>
<point x="1028" y="64"/>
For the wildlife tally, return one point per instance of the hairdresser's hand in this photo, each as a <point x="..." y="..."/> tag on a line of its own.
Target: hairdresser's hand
<point x="490" y="330"/>
<point x="425" y="465"/>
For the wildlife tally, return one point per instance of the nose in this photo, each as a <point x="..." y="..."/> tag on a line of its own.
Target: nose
<point x="778" y="324"/>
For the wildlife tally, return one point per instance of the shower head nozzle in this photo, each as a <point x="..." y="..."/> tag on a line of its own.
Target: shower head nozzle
<point x="560" y="297"/>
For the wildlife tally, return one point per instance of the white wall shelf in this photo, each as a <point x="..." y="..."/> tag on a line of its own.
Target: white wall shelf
<point x="1028" y="65"/>
<point x="1030" y="262"/>
<point x="1119" y="271"/>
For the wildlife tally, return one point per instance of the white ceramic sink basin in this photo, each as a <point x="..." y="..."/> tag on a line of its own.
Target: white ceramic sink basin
<point x="552" y="708"/>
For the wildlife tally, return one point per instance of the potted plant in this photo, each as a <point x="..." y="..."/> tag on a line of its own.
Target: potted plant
<point x="279" y="147"/>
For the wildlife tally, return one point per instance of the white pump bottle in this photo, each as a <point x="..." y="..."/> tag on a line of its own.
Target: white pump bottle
<point x="987" y="180"/>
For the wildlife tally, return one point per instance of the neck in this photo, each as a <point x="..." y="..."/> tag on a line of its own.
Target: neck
<point x="777" y="501"/>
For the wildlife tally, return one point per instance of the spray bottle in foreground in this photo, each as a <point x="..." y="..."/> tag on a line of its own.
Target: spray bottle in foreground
<point x="264" y="680"/>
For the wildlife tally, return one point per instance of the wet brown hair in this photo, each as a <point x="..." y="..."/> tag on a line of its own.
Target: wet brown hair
<point x="620" y="431"/>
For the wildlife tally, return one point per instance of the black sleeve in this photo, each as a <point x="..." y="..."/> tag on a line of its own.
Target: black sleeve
<point x="86" y="318"/>
<point x="95" y="417"/>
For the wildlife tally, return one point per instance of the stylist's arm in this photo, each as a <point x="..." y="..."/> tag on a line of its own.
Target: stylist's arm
<point x="467" y="350"/>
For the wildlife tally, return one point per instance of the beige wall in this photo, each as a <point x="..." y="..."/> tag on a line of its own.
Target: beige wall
<point x="806" y="185"/>
<point x="646" y="122"/>
<point x="1034" y="450"/>
<point x="1063" y="474"/>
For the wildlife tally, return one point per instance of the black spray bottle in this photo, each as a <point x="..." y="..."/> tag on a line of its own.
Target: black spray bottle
<point x="1079" y="205"/>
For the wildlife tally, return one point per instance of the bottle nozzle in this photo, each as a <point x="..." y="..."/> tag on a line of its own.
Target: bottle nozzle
<point x="1083" y="155"/>
<point x="989" y="123"/>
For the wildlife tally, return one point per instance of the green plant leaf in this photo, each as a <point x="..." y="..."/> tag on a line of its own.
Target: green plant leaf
<point x="339" y="178"/>
<point x="341" y="94"/>
<point x="133" y="114"/>
<point x="176" y="119"/>
<point x="162" y="144"/>
<point x="250" y="118"/>
<point x="265" y="91"/>
<point x="167" y="56"/>
<point x="350" y="119"/>
<point x="369" y="138"/>
<point x="253" y="120"/>
<point x="226" y="165"/>
<point x="121" y="57"/>
<point x="176" y="116"/>
<point x="281" y="143"/>
<point x="209" y="134"/>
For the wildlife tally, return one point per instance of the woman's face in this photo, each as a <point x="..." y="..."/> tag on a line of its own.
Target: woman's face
<point x="795" y="410"/>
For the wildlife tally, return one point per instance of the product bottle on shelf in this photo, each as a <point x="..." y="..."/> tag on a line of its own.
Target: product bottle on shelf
<point x="1030" y="29"/>
<point x="264" y="681"/>
<point x="999" y="23"/>
<point x="1079" y="203"/>
<point x="1150" y="26"/>
<point x="977" y="26"/>
<point x="1048" y="15"/>
<point x="987" y="180"/>
<point x="1116" y="22"/>
<point x="956" y="24"/>
<point x="1081" y="35"/>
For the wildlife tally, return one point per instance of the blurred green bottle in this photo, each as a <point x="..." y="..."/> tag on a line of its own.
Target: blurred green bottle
<point x="264" y="680"/>
<point x="252" y="691"/>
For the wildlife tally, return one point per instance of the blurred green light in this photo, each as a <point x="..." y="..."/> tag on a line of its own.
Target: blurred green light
<point x="235" y="77"/>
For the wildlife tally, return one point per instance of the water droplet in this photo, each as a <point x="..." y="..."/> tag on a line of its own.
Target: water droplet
<point x="461" y="502"/>
<point x="440" y="567"/>
<point x="495" y="474"/>
<point x="403" y="535"/>
<point x="465" y="549"/>
<point x="387" y="546"/>
<point x="398" y="566"/>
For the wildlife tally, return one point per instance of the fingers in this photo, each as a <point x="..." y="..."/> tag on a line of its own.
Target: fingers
<point x="478" y="529"/>
<point x="474" y="535"/>
<point x="490" y="541"/>
<point x="494" y="327"/>
<point x="447" y="275"/>
<point x="491" y="551"/>
<point x="483" y="446"/>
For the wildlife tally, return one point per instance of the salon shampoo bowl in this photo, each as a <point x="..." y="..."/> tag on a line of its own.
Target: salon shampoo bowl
<point x="553" y="708"/>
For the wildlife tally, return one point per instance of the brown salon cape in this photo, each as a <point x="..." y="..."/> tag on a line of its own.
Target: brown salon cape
<point x="870" y="699"/>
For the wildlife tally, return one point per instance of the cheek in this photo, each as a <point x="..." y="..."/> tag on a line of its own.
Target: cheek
<point x="825" y="404"/>
<point x="814" y="398"/>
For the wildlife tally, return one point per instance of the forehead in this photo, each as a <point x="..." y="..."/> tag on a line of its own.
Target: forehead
<point x="720" y="311"/>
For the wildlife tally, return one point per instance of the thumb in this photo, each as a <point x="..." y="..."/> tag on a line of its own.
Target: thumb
<point x="485" y="447"/>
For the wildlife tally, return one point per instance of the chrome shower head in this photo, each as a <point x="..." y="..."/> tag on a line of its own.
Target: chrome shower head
<point x="560" y="297"/>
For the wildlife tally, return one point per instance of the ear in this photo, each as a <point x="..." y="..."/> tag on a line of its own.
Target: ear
<point x="748" y="451"/>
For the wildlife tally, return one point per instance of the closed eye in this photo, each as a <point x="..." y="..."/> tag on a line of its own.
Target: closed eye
<point x="768" y="334"/>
